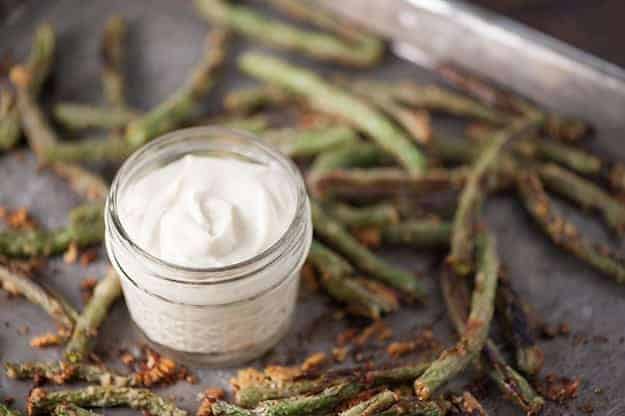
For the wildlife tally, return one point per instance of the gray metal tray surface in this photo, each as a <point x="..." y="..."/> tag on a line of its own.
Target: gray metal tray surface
<point x="165" y="39"/>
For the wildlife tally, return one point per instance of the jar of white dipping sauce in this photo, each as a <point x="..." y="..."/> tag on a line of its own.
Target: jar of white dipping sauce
<point x="208" y="229"/>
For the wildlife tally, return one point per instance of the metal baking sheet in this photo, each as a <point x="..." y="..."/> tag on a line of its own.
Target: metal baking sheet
<point x="431" y="32"/>
<point x="165" y="40"/>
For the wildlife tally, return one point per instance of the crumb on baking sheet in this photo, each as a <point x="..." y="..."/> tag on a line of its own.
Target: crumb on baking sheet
<point x="88" y="257"/>
<point x="314" y="361"/>
<point x="339" y="354"/>
<point x="208" y="397"/>
<point x="71" y="254"/>
<point x="557" y="388"/>
<point x="47" y="340"/>
<point x="400" y="348"/>
<point x="19" y="219"/>
<point x="151" y="368"/>
<point x="87" y="285"/>
<point x="378" y="330"/>
<point x="282" y="373"/>
<point x="246" y="377"/>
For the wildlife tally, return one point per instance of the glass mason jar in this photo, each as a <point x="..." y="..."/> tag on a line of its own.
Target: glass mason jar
<point x="220" y="315"/>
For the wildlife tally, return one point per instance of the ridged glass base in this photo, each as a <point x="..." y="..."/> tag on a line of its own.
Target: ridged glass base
<point x="229" y="359"/>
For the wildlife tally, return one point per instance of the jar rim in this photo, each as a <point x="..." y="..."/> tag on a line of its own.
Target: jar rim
<point x="285" y="240"/>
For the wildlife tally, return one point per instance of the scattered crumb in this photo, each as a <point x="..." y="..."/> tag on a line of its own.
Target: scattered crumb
<point x="551" y="331"/>
<point x="282" y="373"/>
<point x="389" y="295"/>
<point x="88" y="283"/>
<point x="88" y="257"/>
<point x="18" y="220"/>
<point x="377" y="329"/>
<point x="314" y="361"/>
<point x="20" y="76"/>
<point x="46" y="340"/>
<point x="93" y="193"/>
<point x="64" y="333"/>
<point x="277" y="373"/>
<point x="424" y="341"/>
<point x="66" y="373"/>
<point x="346" y="336"/>
<point x="558" y="389"/>
<point x="36" y="395"/>
<point x="155" y="369"/>
<point x="246" y="377"/>
<point x="421" y="125"/>
<point x="127" y="358"/>
<point x="398" y="349"/>
<point x="385" y="334"/>
<point x="191" y="379"/>
<point x="71" y="254"/>
<point x="364" y="336"/>
<point x="86" y="288"/>
<point x="356" y="342"/>
<point x="215" y="393"/>
<point x="210" y="395"/>
<point x="339" y="354"/>
<point x="23" y="330"/>
<point x="586" y="408"/>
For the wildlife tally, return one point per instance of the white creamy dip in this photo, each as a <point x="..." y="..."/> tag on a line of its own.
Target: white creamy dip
<point x="203" y="211"/>
<point x="189" y="222"/>
<point x="208" y="229"/>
